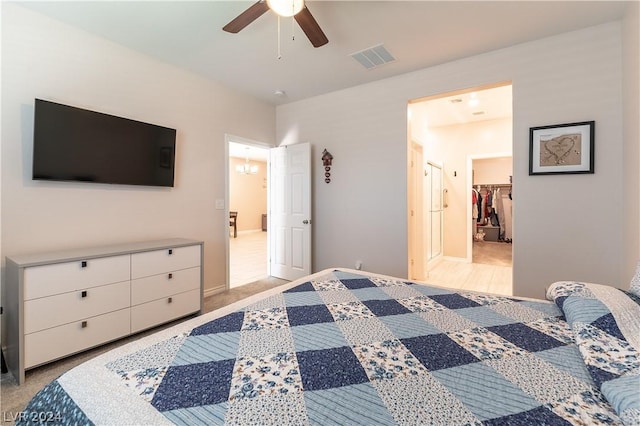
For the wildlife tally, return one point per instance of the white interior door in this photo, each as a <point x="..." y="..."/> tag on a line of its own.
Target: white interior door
<point x="434" y="205"/>
<point x="436" y="211"/>
<point x="428" y="195"/>
<point x="290" y="211"/>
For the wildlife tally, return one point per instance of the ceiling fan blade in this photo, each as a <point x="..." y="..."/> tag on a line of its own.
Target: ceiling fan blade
<point x="311" y="28"/>
<point x="247" y="17"/>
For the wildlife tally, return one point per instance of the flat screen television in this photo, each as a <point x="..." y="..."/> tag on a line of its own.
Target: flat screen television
<point x="74" y="144"/>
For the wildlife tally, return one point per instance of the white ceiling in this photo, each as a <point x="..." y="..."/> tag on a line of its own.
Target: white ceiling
<point x="418" y="34"/>
<point x="464" y="107"/>
<point x="240" y="150"/>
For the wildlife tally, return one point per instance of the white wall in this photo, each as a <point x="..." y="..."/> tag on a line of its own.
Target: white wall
<point x="631" y="130"/>
<point x="248" y="194"/>
<point x="561" y="230"/>
<point x="47" y="59"/>
<point x="361" y="214"/>
<point x="491" y="171"/>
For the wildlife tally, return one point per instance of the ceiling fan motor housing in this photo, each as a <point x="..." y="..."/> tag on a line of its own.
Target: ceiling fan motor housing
<point x="303" y="17"/>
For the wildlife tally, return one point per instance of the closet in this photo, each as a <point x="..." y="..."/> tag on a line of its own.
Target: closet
<point x="492" y="209"/>
<point x="491" y="206"/>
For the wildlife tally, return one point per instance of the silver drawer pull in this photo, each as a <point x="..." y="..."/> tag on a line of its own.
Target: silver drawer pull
<point x="83" y="293"/>
<point x="84" y="324"/>
<point x="170" y="300"/>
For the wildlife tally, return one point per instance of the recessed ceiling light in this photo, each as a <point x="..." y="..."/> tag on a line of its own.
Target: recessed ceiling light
<point x="478" y="113"/>
<point x="456" y="101"/>
<point x="279" y="93"/>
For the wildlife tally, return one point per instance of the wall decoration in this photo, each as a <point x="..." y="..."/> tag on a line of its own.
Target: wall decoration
<point x="562" y="148"/>
<point x="326" y="162"/>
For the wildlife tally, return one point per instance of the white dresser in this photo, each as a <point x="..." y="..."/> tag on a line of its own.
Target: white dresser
<point x="60" y="303"/>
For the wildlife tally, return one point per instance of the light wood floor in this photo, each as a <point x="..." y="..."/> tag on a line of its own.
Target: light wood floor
<point x="490" y="272"/>
<point x="493" y="275"/>
<point x="247" y="258"/>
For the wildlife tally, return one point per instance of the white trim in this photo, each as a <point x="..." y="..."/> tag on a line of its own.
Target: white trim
<point x="213" y="291"/>
<point x="457" y="259"/>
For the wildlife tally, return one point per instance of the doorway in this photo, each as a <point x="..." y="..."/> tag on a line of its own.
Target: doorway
<point x="453" y="129"/>
<point x="247" y="195"/>
<point x="491" y="219"/>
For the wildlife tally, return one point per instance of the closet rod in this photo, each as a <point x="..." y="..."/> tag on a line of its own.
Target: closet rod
<point x="493" y="185"/>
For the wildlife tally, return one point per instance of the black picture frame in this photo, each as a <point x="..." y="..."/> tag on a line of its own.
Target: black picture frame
<point x="562" y="149"/>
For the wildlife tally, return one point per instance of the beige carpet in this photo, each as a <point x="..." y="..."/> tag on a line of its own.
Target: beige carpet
<point x="492" y="253"/>
<point x="14" y="398"/>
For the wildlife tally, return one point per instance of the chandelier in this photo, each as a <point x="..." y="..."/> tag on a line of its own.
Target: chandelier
<point x="246" y="168"/>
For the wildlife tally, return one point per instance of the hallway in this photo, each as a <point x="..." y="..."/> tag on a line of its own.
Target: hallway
<point x="247" y="258"/>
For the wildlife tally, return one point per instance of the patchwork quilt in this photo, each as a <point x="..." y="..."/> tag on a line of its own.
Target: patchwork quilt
<point x="606" y="326"/>
<point x="343" y="347"/>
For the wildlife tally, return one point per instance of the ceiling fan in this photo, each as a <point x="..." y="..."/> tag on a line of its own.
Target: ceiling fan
<point x="286" y="8"/>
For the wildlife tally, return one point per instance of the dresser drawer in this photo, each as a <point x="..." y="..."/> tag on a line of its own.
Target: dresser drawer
<point x="163" y="310"/>
<point x="48" y="312"/>
<point x="161" y="261"/>
<point x="157" y="286"/>
<point x="56" y="278"/>
<point x="67" y="339"/>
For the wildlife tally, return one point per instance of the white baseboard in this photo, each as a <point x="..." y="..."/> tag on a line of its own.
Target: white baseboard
<point x="249" y="231"/>
<point x="212" y="291"/>
<point x="456" y="259"/>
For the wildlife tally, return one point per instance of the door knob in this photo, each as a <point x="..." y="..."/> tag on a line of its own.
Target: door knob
<point x="306" y="222"/>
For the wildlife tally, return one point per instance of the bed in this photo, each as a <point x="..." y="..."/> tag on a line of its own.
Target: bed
<point x="346" y="347"/>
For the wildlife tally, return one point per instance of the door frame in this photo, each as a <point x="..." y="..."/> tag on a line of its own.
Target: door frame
<point x="416" y="264"/>
<point x="228" y="138"/>
<point x="469" y="186"/>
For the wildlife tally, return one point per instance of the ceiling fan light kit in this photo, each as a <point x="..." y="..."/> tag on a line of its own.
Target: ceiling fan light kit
<point x="286" y="8"/>
<point x="295" y="8"/>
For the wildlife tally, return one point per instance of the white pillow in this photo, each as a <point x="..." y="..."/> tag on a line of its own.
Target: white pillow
<point x="635" y="282"/>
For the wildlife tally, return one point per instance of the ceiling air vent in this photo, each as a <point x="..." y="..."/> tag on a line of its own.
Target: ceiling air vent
<point x="373" y="57"/>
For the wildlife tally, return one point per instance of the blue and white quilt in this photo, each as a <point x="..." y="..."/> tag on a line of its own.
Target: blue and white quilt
<point x="343" y="347"/>
<point x="606" y="327"/>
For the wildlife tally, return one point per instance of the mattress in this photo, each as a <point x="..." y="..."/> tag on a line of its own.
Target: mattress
<point x="345" y="347"/>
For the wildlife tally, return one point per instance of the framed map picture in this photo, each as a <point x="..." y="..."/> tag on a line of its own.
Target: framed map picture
<point x="561" y="148"/>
